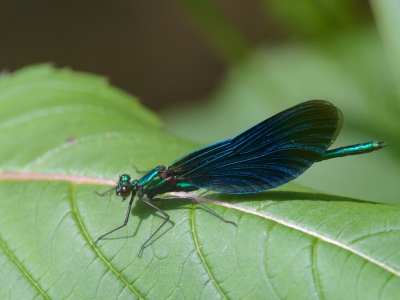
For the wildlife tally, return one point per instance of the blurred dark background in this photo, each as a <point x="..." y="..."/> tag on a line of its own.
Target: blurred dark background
<point x="161" y="51"/>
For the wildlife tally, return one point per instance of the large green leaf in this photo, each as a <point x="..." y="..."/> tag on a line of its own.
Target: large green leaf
<point x="65" y="134"/>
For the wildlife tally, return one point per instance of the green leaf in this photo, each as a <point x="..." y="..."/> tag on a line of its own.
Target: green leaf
<point x="65" y="134"/>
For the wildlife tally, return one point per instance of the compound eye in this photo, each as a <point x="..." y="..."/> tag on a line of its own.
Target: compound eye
<point x="125" y="191"/>
<point x="125" y="178"/>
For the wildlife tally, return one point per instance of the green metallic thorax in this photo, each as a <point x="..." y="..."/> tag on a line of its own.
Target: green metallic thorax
<point x="158" y="181"/>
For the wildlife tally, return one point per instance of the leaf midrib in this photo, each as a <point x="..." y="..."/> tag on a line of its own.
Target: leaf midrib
<point x="100" y="181"/>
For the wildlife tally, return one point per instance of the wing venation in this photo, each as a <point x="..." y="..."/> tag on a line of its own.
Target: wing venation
<point x="265" y="156"/>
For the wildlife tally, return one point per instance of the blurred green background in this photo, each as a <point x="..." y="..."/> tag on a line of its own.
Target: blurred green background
<point x="212" y="69"/>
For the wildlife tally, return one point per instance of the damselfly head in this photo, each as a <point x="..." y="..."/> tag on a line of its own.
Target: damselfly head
<point x="125" y="186"/>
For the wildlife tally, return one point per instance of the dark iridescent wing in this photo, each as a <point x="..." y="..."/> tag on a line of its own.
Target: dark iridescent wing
<point x="265" y="156"/>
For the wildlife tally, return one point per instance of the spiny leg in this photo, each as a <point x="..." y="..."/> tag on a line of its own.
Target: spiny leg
<point x="154" y="233"/>
<point x="199" y="202"/>
<point x="123" y="225"/>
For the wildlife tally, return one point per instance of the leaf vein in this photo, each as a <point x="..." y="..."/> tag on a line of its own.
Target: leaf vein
<point x="301" y="229"/>
<point x="86" y="235"/>
<point x="22" y="269"/>
<point x="315" y="269"/>
<point x="200" y="254"/>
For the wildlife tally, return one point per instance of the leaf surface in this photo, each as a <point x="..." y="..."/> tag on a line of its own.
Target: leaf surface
<point x="65" y="134"/>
